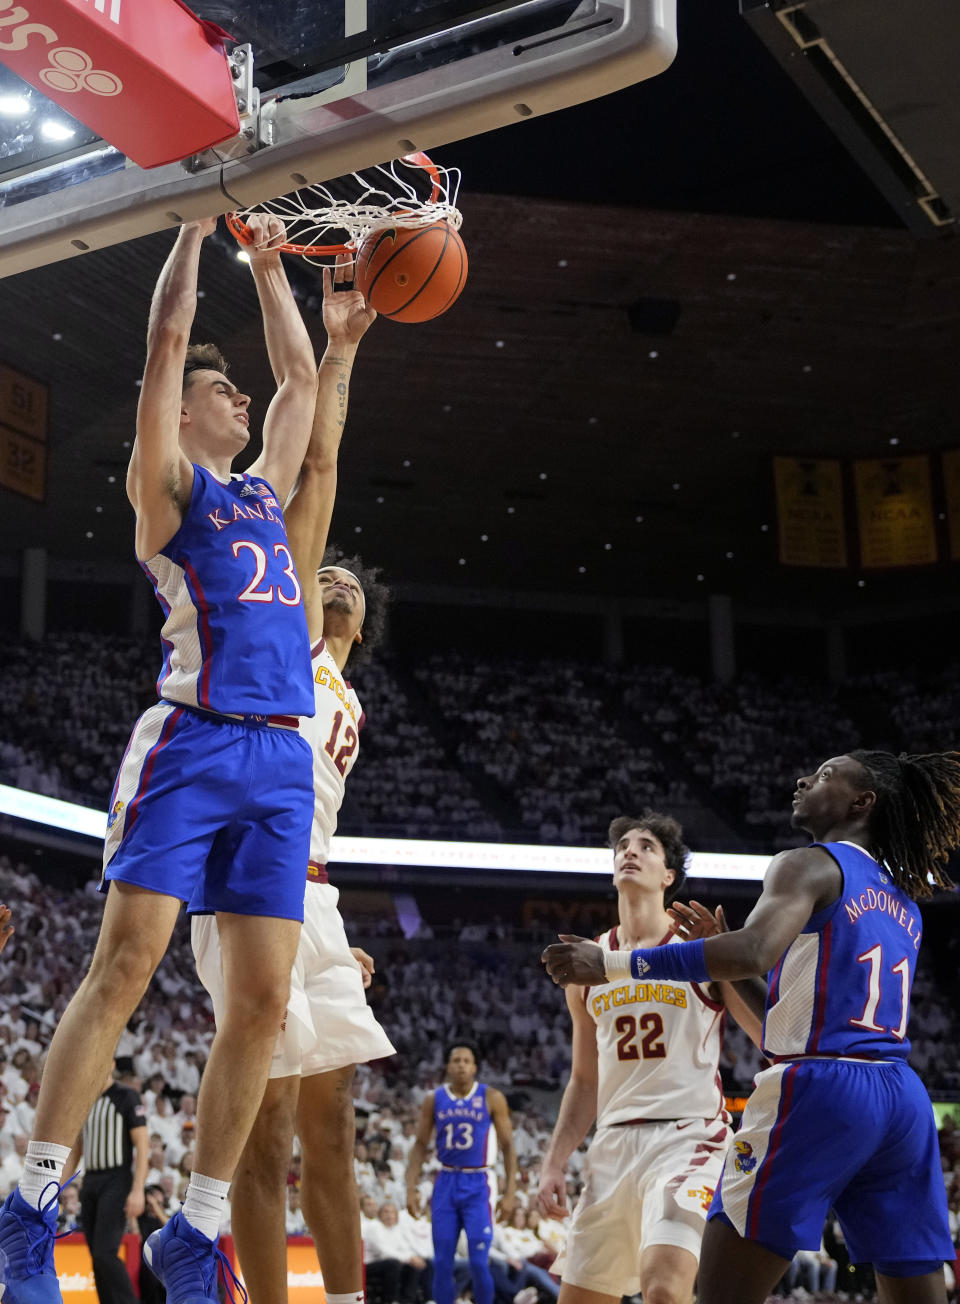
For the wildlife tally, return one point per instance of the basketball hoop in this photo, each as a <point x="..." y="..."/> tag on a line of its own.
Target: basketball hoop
<point x="335" y="217"/>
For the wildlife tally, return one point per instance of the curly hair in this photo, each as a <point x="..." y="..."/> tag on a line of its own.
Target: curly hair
<point x="202" y="357"/>
<point x="376" y="598"/>
<point x="461" y="1043"/>
<point x="915" y="823"/>
<point x="669" y="833"/>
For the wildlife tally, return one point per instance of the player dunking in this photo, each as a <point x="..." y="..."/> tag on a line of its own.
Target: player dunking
<point x="646" y="1068"/>
<point x="329" y="1027"/>
<point x="462" y="1112"/>
<point x="839" y="1119"/>
<point x="215" y="786"/>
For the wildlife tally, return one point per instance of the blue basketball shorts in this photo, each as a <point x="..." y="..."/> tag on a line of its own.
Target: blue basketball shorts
<point x="214" y="812"/>
<point x="855" y="1136"/>
<point x="463" y="1200"/>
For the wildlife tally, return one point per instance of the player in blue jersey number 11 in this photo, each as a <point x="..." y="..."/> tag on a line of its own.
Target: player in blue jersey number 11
<point x="839" y="1119"/>
<point x="469" y="1118"/>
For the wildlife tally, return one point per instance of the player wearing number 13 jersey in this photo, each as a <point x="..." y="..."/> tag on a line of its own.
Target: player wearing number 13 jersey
<point x="469" y="1118"/>
<point x="645" y="1068"/>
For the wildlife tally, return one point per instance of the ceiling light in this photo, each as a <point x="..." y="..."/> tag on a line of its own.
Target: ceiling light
<point x="14" y="106"/>
<point x="380" y="499"/>
<point x="484" y="538"/>
<point x="499" y="343"/>
<point x="608" y="547"/>
<point x="461" y="561"/>
<point x="894" y="440"/>
<point x="51" y="130"/>
<point x="582" y="570"/>
<point x="406" y="461"/>
<point x="358" y="529"/>
<point x="511" y="510"/>
<point x="653" y="354"/>
<point x="699" y="579"/>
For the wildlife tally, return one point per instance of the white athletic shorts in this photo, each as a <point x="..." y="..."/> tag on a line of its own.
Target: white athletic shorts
<point x="328" y="1023"/>
<point x="646" y="1184"/>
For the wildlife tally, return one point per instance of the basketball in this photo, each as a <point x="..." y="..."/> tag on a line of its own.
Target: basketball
<point x="411" y="274"/>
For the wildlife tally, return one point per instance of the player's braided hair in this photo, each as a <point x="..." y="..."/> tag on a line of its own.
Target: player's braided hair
<point x="202" y="357"/>
<point x="376" y="596"/>
<point x="916" y="821"/>
<point x="669" y="833"/>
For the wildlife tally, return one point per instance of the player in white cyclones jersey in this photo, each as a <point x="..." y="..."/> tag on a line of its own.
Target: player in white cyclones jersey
<point x="329" y="1027"/>
<point x="646" y="1069"/>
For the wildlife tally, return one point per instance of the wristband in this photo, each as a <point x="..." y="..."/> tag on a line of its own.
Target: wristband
<point x="680" y="962"/>
<point x="683" y="962"/>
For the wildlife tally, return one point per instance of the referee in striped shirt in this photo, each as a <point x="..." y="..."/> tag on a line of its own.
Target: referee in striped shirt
<point x="115" y="1148"/>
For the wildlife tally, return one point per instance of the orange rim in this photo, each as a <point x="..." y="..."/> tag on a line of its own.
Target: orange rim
<point x="241" y="232"/>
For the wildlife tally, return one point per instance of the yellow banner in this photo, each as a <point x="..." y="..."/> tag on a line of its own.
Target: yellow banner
<point x="895" y="511"/>
<point x="810" y="516"/>
<point x="23" y="403"/>
<point x="23" y="465"/>
<point x="951" y="486"/>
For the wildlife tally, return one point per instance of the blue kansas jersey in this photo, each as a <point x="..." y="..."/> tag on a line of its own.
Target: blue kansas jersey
<point x="465" y="1138"/>
<point x="843" y="986"/>
<point x="235" y="636"/>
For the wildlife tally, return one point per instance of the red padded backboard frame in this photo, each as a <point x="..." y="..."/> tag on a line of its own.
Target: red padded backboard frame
<point x="147" y="75"/>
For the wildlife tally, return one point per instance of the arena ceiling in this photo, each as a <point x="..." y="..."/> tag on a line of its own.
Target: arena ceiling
<point x="667" y="287"/>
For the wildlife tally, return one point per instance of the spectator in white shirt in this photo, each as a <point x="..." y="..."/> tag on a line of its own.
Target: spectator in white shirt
<point x="394" y="1270"/>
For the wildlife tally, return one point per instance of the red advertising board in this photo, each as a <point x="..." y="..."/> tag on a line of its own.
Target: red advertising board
<point x="151" y="79"/>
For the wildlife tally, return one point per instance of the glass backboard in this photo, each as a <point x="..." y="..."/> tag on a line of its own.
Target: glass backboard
<point x="337" y="85"/>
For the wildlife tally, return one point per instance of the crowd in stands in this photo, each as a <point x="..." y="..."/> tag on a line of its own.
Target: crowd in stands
<point x="422" y="991"/>
<point x="461" y="746"/>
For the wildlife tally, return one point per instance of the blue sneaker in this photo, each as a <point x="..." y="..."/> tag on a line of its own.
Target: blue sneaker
<point x="186" y="1262"/>
<point x="26" y="1243"/>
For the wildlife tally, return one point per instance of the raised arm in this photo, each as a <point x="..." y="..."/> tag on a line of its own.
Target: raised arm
<point x="418" y="1153"/>
<point x="500" y="1114"/>
<point x="160" y="477"/>
<point x="286" y="427"/>
<point x="308" y="514"/>
<point x="578" y="1110"/>
<point x="797" y="884"/>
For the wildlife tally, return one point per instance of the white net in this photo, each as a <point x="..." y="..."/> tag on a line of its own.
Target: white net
<point x="335" y="217"/>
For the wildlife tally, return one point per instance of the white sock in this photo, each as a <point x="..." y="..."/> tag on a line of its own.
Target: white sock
<point x="43" y="1164"/>
<point x="205" y="1205"/>
<point x="352" y="1297"/>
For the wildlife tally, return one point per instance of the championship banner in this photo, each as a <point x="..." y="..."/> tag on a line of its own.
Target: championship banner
<point x="148" y="76"/>
<point x="951" y="488"/>
<point x="895" y="511"/>
<point x="810" y="518"/>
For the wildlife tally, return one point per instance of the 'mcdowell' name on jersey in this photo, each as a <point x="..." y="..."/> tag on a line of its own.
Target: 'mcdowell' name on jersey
<point x="888" y="904"/>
